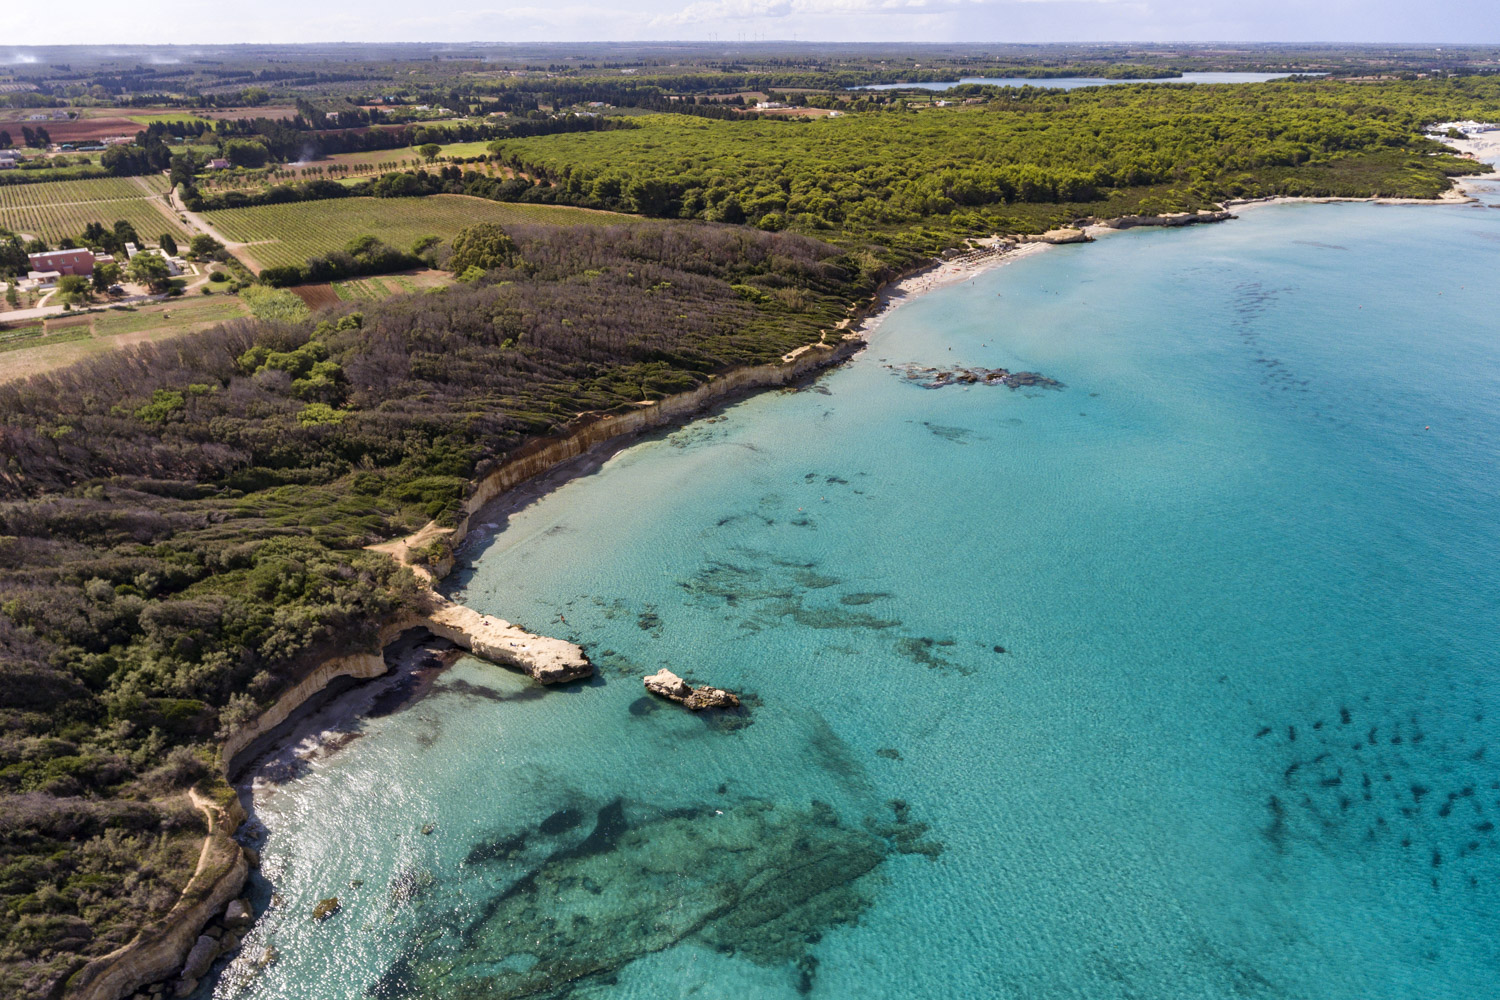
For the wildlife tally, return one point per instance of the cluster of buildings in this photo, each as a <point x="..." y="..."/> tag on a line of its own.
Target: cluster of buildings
<point x="1467" y="128"/>
<point x="47" y="267"/>
<point x="10" y="159"/>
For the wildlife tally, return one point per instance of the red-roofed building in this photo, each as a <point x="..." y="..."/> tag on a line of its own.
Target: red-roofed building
<point x="64" y="261"/>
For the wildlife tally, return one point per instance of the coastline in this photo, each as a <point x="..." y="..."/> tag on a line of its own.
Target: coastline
<point x="1483" y="147"/>
<point x="524" y="477"/>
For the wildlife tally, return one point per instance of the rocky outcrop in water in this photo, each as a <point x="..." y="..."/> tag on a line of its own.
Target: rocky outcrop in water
<point x="1170" y="219"/>
<point x="1057" y="236"/>
<point x="669" y="685"/>
<point x="547" y="660"/>
<point x="937" y="378"/>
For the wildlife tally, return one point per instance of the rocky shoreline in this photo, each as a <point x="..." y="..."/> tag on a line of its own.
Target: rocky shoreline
<point x="210" y="899"/>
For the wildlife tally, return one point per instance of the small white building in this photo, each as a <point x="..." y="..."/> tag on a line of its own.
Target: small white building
<point x="1466" y="127"/>
<point x="174" y="264"/>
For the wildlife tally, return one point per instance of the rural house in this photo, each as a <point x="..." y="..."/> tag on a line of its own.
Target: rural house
<point x="64" y="261"/>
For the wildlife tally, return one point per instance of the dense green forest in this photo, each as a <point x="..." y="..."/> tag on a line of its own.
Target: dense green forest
<point x="182" y="524"/>
<point x="986" y="167"/>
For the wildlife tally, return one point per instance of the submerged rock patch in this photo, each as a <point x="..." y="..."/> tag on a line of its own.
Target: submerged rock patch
<point x="758" y="880"/>
<point x="1377" y="777"/>
<point x="938" y="378"/>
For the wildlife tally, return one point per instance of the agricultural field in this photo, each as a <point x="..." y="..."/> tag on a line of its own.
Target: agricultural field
<point x="383" y="287"/>
<point x="42" y="346"/>
<point x="54" y="209"/>
<point x="379" y="160"/>
<point x="289" y="234"/>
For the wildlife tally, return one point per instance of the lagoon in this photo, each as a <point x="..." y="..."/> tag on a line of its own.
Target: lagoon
<point x="1074" y="82"/>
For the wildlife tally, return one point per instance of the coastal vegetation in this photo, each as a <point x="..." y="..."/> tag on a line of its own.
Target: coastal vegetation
<point x="1021" y="160"/>
<point x="183" y="523"/>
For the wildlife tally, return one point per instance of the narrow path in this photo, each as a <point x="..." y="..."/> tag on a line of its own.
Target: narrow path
<point x="160" y="202"/>
<point x="199" y="224"/>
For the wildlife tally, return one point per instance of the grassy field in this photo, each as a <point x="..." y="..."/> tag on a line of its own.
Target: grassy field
<point x="289" y="234"/>
<point x="168" y="116"/>
<point x="46" y="345"/>
<point x="54" y="209"/>
<point x="363" y="165"/>
<point x="383" y="287"/>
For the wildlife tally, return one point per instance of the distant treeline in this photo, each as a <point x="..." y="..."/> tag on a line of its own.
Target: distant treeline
<point x="1141" y="147"/>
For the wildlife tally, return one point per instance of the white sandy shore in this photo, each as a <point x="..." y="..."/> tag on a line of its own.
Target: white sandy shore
<point x="1484" y="147"/>
<point x="948" y="272"/>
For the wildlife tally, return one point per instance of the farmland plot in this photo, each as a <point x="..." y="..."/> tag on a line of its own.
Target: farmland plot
<point x="289" y="234"/>
<point x="54" y="209"/>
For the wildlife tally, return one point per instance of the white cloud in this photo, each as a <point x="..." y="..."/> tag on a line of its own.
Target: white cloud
<point x="709" y="11"/>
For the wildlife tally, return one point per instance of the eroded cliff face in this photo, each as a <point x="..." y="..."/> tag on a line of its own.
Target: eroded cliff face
<point x="159" y="949"/>
<point x="361" y="666"/>
<point x="593" y="429"/>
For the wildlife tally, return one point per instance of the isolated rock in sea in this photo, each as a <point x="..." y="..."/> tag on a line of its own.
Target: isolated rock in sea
<point x="669" y="685"/>
<point x="711" y="697"/>
<point x="937" y="378"/>
<point x="1170" y="219"/>
<point x="326" y="908"/>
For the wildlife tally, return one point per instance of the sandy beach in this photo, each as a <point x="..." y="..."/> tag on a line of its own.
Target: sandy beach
<point x="1484" y="147"/>
<point x="948" y="272"/>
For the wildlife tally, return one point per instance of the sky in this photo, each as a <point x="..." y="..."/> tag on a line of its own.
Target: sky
<point x="964" y="21"/>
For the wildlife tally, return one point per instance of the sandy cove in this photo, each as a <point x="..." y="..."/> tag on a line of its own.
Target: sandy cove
<point x="938" y="274"/>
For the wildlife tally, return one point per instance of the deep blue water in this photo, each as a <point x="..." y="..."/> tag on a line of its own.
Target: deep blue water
<point x="1243" y="738"/>
<point x="1074" y="82"/>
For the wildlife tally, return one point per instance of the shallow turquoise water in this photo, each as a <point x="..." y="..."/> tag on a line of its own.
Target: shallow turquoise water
<point x="1243" y="739"/>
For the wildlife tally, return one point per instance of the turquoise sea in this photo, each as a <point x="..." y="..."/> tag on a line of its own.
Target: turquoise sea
<point x="1179" y="681"/>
